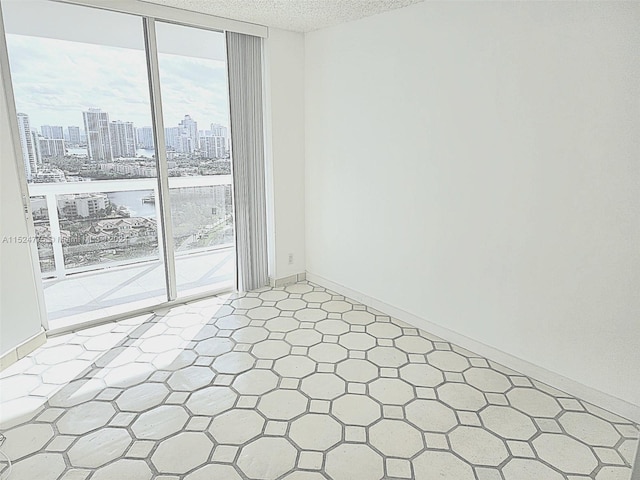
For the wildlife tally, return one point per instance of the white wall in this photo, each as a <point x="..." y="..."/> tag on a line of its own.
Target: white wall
<point x="285" y="151"/>
<point x="19" y="310"/>
<point x="478" y="165"/>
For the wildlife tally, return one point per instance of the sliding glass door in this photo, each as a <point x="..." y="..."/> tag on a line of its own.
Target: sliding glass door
<point x="195" y="106"/>
<point x="114" y="233"/>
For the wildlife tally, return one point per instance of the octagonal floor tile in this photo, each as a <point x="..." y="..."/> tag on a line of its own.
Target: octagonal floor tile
<point x="358" y="317"/>
<point x="100" y="447"/>
<point x="211" y="400"/>
<point x="430" y="465"/>
<point x="190" y="378"/>
<point x="43" y="466"/>
<point x="233" y="363"/>
<point x="395" y="438"/>
<point x="356" y="370"/>
<point x="215" y="346"/>
<point x="282" y="404"/>
<point x="304" y="337"/>
<point x="478" y="446"/>
<point x="273" y="295"/>
<point x="461" y="396"/>
<point x="354" y="462"/>
<point x="325" y="386"/>
<point x="182" y="452"/>
<point x="142" y="397"/>
<point x="271" y="349"/>
<point x="233" y="322"/>
<point x="357" y="341"/>
<point x="391" y="391"/>
<point x="332" y="326"/>
<point x="448" y="361"/>
<point x="422" y="375"/>
<point x="267" y="458"/>
<point x="294" y="366"/>
<point x="282" y="324"/>
<point x="263" y="313"/>
<point x="250" y="335"/>
<point x="390" y="357"/>
<point x="356" y="410"/>
<point x="336" y="306"/>
<point x="85" y="417"/>
<point x="589" y="428"/>
<point x="384" y="330"/>
<point x="315" y="432"/>
<point x="291" y="304"/>
<point x="487" y="380"/>
<point x="431" y="415"/>
<point x="236" y="426"/>
<point x="534" y="402"/>
<point x="525" y="469"/>
<point x="328" y="353"/>
<point x="160" y="422"/>
<point x="310" y="315"/>
<point x="565" y="453"/>
<point x="413" y="344"/>
<point x="26" y="439"/>
<point x="508" y="422"/>
<point x="255" y="382"/>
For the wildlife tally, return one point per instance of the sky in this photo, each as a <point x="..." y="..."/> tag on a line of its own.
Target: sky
<point x="55" y="80"/>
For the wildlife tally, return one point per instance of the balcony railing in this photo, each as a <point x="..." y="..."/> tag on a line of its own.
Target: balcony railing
<point x="94" y="225"/>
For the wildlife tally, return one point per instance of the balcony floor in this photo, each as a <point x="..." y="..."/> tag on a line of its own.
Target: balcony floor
<point x="294" y="383"/>
<point x="92" y="295"/>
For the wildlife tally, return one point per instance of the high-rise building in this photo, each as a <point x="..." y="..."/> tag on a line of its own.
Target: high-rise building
<point x="172" y="138"/>
<point x="96" y="126"/>
<point x="51" y="147"/>
<point x="221" y="135"/>
<point x="190" y="130"/>
<point x="123" y="139"/>
<point x="52" y="131"/>
<point x="74" y="135"/>
<point x="145" y="137"/>
<point x="29" y="152"/>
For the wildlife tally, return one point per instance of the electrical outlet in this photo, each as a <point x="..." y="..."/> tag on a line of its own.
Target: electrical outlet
<point x="291" y="259"/>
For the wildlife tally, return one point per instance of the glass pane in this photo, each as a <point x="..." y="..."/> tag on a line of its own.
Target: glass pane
<point x="193" y="79"/>
<point x="115" y="228"/>
<point x="40" y="214"/>
<point x="82" y="94"/>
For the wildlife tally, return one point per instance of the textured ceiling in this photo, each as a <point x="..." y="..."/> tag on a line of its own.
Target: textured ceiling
<point x="297" y="15"/>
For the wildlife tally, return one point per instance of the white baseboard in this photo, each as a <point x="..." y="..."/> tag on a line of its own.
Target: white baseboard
<point x="288" y="280"/>
<point x="22" y="350"/>
<point x="589" y="394"/>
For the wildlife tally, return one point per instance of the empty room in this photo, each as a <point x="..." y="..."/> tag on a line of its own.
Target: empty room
<point x="319" y="240"/>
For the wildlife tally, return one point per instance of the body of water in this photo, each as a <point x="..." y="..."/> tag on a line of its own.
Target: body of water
<point x="133" y="202"/>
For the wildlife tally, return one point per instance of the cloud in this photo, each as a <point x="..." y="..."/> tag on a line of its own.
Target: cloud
<point x="55" y="80"/>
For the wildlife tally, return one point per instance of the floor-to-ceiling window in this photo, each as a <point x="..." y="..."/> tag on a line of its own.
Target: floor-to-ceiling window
<point x="120" y="223"/>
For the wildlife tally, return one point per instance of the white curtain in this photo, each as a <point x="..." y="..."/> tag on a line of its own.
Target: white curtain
<point x="244" y="57"/>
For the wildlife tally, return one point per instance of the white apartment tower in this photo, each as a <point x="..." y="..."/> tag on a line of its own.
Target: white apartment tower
<point x="96" y="126"/>
<point x="190" y="130"/>
<point x="145" y="137"/>
<point x="29" y="152"/>
<point x="52" y="132"/>
<point x="74" y="135"/>
<point x="123" y="139"/>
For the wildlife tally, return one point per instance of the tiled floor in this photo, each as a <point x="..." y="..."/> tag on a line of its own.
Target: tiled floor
<point x="296" y="384"/>
<point x="101" y="293"/>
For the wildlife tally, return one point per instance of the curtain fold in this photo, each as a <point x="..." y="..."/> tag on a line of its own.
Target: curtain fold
<point x="244" y="60"/>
